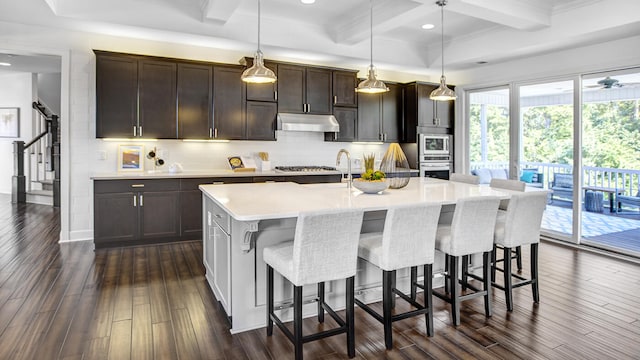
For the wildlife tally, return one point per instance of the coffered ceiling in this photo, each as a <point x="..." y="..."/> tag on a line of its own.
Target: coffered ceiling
<point x="336" y="32"/>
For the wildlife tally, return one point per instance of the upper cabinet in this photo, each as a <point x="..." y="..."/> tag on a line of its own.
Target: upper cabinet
<point x="304" y="89"/>
<point x="421" y="111"/>
<point x="344" y="88"/>
<point x="229" y="103"/>
<point x="116" y="96"/>
<point x="262" y="92"/>
<point x="195" y="101"/>
<point x="157" y="99"/>
<point x="380" y="115"/>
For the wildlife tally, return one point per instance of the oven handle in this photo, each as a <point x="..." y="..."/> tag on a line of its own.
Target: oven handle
<point x="436" y="167"/>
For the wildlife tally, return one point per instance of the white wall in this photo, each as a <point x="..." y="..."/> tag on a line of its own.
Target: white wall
<point x="289" y="149"/>
<point x="15" y="91"/>
<point x="49" y="91"/>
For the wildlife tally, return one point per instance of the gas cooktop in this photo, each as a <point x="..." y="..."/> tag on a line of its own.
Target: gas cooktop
<point x="305" y="168"/>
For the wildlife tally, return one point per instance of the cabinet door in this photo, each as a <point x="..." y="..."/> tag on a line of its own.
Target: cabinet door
<point x="318" y="91"/>
<point x="116" y="96"/>
<point x="291" y="89"/>
<point x="160" y="217"/>
<point x="344" y="88"/>
<point x="191" y="214"/>
<point x="222" y="265"/>
<point x="228" y="103"/>
<point x="392" y="113"/>
<point x="347" y="119"/>
<point x="264" y="92"/>
<point x="115" y="217"/>
<point x="195" y="101"/>
<point x="369" y="117"/>
<point x="157" y="86"/>
<point x="261" y="119"/>
<point x="444" y="113"/>
<point x="426" y="111"/>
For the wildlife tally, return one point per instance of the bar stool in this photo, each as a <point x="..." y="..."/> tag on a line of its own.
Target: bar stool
<point x="515" y="185"/>
<point x="518" y="226"/>
<point x="464" y="178"/>
<point x="324" y="248"/>
<point x="407" y="240"/>
<point x="470" y="232"/>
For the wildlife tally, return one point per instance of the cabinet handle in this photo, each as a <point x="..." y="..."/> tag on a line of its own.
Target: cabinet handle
<point x="275" y="95"/>
<point x="210" y="132"/>
<point x="135" y="130"/>
<point x="335" y="99"/>
<point x="141" y="200"/>
<point x="215" y="133"/>
<point x="135" y="201"/>
<point x="140" y="130"/>
<point x="218" y="183"/>
<point x="384" y="137"/>
<point x="137" y="185"/>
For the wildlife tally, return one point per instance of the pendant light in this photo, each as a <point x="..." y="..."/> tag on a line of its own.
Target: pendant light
<point x="258" y="73"/>
<point x="442" y="93"/>
<point x="372" y="85"/>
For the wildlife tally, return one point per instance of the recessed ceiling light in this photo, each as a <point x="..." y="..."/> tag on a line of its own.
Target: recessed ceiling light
<point x="307" y="1"/>
<point x="428" y="26"/>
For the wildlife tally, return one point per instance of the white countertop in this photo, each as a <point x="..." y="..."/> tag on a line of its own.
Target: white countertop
<point x="261" y="201"/>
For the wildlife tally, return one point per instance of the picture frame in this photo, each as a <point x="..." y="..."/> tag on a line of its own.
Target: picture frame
<point x="9" y="122"/>
<point x="130" y="158"/>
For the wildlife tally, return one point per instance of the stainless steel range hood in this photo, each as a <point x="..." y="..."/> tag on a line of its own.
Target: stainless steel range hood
<point x="307" y="122"/>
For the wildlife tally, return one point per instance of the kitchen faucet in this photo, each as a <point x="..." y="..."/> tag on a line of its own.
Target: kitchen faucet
<point x="349" y="176"/>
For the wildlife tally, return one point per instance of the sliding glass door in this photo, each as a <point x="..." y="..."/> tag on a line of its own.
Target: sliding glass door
<point x="489" y="129"/>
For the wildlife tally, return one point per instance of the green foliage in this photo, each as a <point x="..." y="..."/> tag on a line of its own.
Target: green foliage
<point x="369" y="161"/>
<point x="371" y="175"/>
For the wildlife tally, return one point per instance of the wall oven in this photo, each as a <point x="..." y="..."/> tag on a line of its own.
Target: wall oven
<point x="434" y="155"/>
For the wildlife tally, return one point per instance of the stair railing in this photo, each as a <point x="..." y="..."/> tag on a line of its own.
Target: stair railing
<point x="46" y="148"/>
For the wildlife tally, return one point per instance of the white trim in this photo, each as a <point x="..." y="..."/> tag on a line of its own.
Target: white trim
<point x="78" y="235"/>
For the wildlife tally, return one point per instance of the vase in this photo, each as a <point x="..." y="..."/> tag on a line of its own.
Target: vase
<point x="395" y="165"/>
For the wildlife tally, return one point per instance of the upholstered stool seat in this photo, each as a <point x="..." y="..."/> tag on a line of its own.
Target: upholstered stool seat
<point x="324" y="248"/>
<point x="514" y="185"/>
<point x="470" y="232"/>
<point x="519" y="226"/>
<point x="406" y="241"/>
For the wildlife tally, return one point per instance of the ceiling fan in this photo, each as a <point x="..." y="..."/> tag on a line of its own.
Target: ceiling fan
<point x="609" y="83"/>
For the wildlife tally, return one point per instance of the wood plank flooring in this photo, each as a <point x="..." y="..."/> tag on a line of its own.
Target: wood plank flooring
<point x="65" y="301"/>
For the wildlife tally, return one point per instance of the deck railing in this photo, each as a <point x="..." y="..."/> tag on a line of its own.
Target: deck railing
<point x="626" y="181"/>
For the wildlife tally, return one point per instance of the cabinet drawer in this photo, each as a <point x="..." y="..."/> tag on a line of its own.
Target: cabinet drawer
<point x="110" y="186"/>
<point x="216" y="214"/>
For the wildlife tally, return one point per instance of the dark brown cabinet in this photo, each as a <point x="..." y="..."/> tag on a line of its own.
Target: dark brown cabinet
<point x="421" y="111"/>
<point x="157" y="99"/>
<point x="116" y="96"/>
<point x="262" y="92"/>
<point x="261" y="120"/>
<point x="347" y="119"/>
<point x="380" y="115"/>
<point x="130" y="212"/>
<point x="344" y="88"/>
<point x="304" y="89"/>
<point x="195" y="101"/>
<point x="229" y="103"/>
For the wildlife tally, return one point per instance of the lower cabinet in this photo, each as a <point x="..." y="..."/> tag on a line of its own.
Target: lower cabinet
<point x="130" y="212"/>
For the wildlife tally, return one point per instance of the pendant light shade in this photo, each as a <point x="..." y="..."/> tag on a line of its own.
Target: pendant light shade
<point x="372" y="85"/>
<point x="258" y="73"/>
<point x="442" y="93"/>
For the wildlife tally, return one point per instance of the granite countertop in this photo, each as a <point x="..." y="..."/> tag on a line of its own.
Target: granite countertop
<point x="260" y="201"/>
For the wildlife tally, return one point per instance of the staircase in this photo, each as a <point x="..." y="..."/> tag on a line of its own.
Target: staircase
<point x="36" y="176"/>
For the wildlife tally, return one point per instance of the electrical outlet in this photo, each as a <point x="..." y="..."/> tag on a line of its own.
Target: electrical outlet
<point x="102" y="155"/>
<point x="163" y="154"/>
<point x="208" y="218"/>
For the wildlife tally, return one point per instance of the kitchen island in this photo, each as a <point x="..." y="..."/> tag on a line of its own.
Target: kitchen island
<point x="240" y="220"/>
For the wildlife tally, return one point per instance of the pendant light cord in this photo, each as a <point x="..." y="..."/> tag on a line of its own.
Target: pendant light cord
<point x="259" y="25"/>
<point x="442" y="4"/>
<point x="371" y="30"/>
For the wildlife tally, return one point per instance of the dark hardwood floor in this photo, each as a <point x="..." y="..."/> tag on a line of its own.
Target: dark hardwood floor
<point x="65" y="301"/>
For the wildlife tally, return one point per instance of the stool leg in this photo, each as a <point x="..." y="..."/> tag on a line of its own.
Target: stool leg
<point x="320" y="302"/>
<point x="269" y="300"/>
<point x="447" y="259"/>
<point x="387" y="305"/>
<point x="393" y="286"/>
<point x="508" y="284"/>
<point x="465" y="270"/>
<point x="428" y="299"/>
<point x="349" y="312"/>
<point x="493" y="263"/>
<point x="414" y="279"/>
<point x="297" y="321"/>
<point x="534" y="273"/>
<point x="455" y="290"/>
<point x="486" y="270"/>
<point x="519" y="258"/>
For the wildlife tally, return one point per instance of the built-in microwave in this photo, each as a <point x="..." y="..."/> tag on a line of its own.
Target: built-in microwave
<point x="434" y="144"/>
